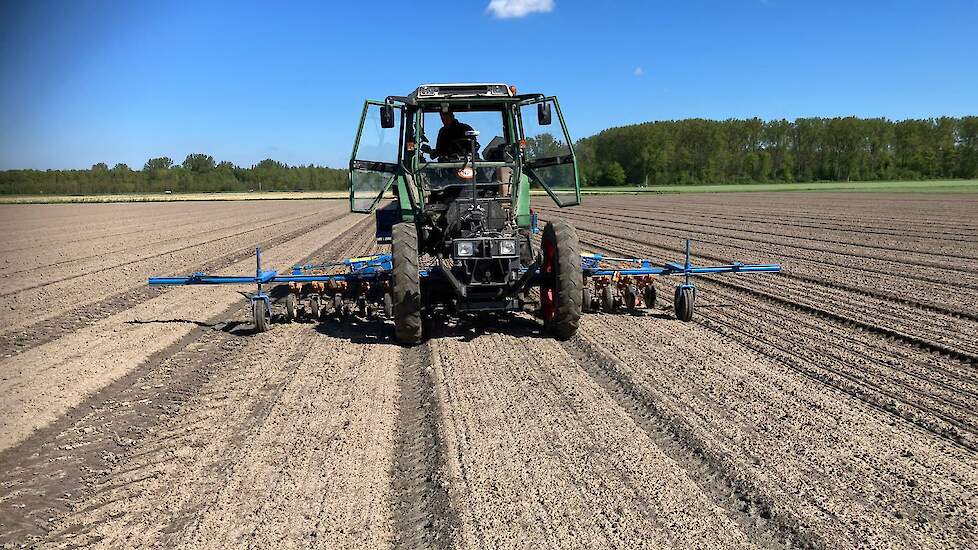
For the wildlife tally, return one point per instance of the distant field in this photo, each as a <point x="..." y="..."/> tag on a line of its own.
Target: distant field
<point x="174" y="197"/>
<point x="930" y="186"/>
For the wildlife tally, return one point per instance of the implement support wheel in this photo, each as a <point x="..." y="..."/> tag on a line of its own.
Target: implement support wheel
<point x="561" y="291"/>
<point x="631" y="297"/>
<point x="587" y="299"/>
<point x="290" y="307"/>
<point x="407" y="283"/>
<point x="314" y="306"/>
<point x="608" y="299"/>
<point x="683" y="303"/>
<point x="648" y="297"/>
<point x="261" y="314"/>
<point x="388" y="305"/>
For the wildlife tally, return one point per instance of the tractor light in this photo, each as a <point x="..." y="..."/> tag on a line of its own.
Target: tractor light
<point x="466" y="173"/>
<point x="410" y="146"/>
<point x="464" y="248"/>
<point x="507" y="247"/>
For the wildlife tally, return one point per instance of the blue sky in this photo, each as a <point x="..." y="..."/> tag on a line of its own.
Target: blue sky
<point x="84" y="82"/>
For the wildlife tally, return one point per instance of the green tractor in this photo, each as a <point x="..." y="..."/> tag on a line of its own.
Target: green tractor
<point x="460" y="224"/>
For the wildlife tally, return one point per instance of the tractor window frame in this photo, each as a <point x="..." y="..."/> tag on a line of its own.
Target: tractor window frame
<point x="547" y="162"/>
<point x="378" y="168"/>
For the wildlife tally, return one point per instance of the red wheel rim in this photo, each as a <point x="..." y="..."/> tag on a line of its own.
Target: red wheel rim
<point x="548" y="295"/>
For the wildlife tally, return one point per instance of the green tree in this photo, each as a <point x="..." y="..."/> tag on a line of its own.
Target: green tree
<point x="612" y="174"/>
<point x="199" y="163"/>
<point x="158" y="163"/>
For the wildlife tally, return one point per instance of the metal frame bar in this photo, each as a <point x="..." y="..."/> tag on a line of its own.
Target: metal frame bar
<point x="380" y="266"/>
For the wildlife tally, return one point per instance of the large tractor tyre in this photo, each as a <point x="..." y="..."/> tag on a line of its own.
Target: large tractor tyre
<point x="562" y="290"/>
<point x="683" y="303"/>
<point x="407" y="284"/>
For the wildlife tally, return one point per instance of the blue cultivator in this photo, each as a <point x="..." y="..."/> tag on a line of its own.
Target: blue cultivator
<point x="364" y="284"/>
<point x="612" y="282"/>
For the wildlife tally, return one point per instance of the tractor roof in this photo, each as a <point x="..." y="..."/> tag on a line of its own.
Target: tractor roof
<point x="479" y="91"/>
<point x="442" y="91"/>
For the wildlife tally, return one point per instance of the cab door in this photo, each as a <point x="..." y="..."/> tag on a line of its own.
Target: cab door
<point x="548" y="153"/>
<point x="376" y="156"/>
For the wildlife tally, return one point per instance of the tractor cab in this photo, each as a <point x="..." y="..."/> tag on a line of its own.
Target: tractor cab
<point x="459" y="160"/>
<point x="515" y="142"/>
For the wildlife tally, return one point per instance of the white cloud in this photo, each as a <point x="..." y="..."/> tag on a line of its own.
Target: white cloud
<point x="506" y="9"/>
<point x="639" y="71"/>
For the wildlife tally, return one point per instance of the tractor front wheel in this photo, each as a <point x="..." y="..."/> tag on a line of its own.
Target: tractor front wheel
<point x="407" y="283"/>
<point x="561" y="291"/>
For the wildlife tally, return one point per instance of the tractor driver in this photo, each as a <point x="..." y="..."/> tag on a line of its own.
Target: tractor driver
<point x="452" y="143"/>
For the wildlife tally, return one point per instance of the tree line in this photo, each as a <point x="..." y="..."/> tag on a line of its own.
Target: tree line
<point x="197" y="173"/>
<point x="686" y="151"/>
<point x="695" y="151"/>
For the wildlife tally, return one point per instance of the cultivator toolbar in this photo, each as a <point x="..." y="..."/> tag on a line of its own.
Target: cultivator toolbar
<point x="363" y="285"/>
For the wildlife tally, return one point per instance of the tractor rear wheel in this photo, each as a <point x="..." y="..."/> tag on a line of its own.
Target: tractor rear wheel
<point x="683" y="303"/>
<point x="561" y="291"/>
<point x="407" y="283"/>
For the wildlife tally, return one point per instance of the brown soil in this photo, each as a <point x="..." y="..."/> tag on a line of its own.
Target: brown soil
<point x="831" y="406"/>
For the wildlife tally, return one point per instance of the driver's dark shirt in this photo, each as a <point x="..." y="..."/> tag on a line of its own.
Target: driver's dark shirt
<point x="450" y="142"/>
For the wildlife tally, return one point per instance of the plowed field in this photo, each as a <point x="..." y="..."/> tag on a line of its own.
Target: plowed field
<point x="834" y="405"/>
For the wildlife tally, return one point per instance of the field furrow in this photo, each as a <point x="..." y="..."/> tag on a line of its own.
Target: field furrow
<point x="834" y="405"/>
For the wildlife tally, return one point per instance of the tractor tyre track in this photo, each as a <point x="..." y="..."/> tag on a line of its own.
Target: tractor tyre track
<point x="742" y="499"/>
<point x="424" y="516"/>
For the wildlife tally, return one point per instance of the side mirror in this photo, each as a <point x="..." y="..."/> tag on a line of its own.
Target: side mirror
<point x="543" y="113"/>
<point x="386" y="116"/>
